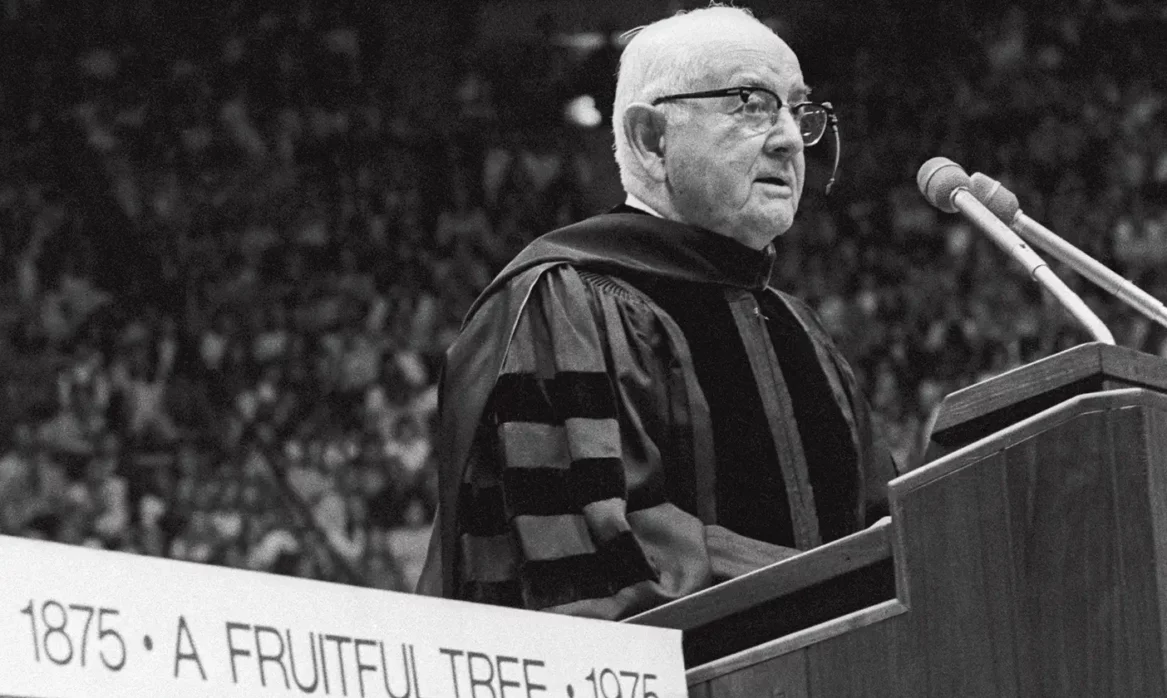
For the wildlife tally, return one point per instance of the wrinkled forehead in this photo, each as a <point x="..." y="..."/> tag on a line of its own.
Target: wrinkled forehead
<point x="755" y="58"/>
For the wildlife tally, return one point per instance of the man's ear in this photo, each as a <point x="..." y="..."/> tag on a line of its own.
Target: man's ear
<point x="644" y="128"/>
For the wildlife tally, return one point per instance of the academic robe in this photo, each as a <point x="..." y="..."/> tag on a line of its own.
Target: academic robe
<point x="631" y="414"/>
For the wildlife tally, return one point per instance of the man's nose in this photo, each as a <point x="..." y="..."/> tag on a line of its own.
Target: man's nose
<point x="785" y="136"/>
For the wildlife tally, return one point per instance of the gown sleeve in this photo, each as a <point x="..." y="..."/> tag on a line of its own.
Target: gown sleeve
<point x="565" y="505"/>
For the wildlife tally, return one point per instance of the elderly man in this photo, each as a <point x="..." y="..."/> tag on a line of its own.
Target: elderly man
<point x="631" y="413"/>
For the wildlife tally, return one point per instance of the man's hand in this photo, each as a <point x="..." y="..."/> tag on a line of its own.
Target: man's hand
<point x="732" y="555"/>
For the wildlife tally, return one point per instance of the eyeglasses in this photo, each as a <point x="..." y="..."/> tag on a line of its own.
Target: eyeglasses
<point x="761" y="107"/>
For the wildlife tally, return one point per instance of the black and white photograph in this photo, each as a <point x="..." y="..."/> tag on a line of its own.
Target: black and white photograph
<point x="583" y="348"/>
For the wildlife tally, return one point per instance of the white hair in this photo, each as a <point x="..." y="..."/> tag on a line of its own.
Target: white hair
<point x="668" y="56"/>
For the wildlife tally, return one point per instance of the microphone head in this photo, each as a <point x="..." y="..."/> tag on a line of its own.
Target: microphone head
<point x="938" y="179"/>
<point x="1002" y="202"/>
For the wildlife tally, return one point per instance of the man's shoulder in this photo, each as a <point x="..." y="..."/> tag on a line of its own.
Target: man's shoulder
<point x="605" y="238"/>
<point x="596" y="248"/>
<point x="572" y="284"/>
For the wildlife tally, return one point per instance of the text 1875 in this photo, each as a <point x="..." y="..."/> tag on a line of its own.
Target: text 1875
<point x="56" y="638"/>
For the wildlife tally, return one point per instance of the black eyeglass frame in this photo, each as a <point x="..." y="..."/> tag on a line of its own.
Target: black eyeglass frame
<point x="745" y="92"/>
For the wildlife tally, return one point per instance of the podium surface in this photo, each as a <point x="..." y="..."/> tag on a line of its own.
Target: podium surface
<point x="1031" y="561"/>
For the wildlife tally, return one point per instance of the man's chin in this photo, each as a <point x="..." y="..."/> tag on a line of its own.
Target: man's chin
<point x="777" y="224"/>
<point x="754" y="229"/>
<point x="761" y="232"/>
<point x="776" y="215"/>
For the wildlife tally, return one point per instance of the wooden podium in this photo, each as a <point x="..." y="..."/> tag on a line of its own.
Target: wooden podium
<point x="1030" y="560"/>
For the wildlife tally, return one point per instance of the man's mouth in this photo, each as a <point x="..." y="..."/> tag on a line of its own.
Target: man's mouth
<point x="777" y="181"/>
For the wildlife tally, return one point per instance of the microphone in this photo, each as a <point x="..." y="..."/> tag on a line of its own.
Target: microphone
<point x="946" y="186"/>
<point x="1003" y="203"/>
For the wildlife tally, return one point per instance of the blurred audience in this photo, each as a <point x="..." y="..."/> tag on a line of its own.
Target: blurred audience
<point x="228" y="293"/>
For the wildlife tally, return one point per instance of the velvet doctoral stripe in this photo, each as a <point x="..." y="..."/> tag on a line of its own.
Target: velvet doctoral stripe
<point x="546" y="491"/>
<point x="525" y="397"/>
<point x="827" y="440"/>
<point x="751" y="495"/>
<point x="617" y="563"/>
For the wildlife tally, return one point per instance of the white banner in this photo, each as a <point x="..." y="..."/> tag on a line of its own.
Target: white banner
<point x="81" y="623"/>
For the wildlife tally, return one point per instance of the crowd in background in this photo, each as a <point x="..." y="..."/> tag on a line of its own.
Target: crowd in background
<point x="230" y="268"/>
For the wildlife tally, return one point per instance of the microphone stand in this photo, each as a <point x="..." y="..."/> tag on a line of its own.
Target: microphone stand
<point x="988" y="222"/>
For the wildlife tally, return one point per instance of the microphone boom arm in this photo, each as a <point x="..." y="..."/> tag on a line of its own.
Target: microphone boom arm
<point x="1075" y="305"/>
<point x="1034" y="264"/>
<point x="1092" y="269"/>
